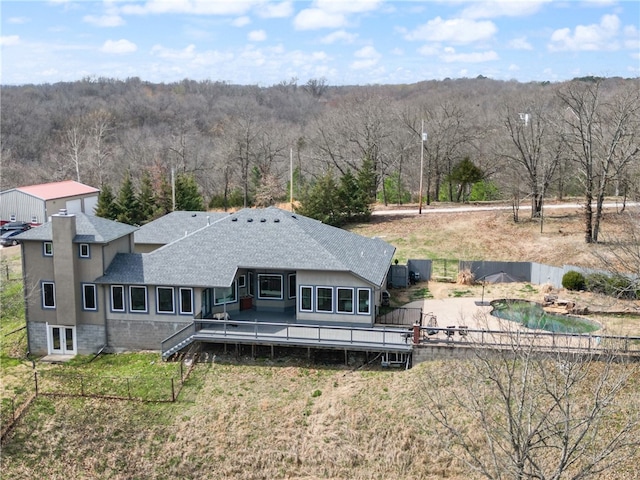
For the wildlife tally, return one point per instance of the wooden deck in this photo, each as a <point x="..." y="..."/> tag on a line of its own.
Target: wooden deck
<point x="233" y="331"/>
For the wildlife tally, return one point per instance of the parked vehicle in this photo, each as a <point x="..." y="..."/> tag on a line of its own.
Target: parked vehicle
<point x="8" y="238"/>
<point x="14" y="226"/>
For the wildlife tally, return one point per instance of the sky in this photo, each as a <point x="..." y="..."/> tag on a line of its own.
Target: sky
<point x="354" y="42"/>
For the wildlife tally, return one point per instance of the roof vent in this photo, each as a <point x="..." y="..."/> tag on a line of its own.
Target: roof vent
<point x="193" y="214"/>
<point x="293" y="216"/>
<point x="63" y="211"/>
<point x="234" y="219"/>
<point x="249" y="220"/>
<point x="262" y="220"/>
<point x="276" y="220"/>
<point x="208" y="220"/>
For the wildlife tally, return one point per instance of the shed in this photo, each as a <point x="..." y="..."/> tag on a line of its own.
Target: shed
<point x="36" y="203"/>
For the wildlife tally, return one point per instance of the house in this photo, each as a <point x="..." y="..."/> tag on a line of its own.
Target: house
<point x="87" y="286"/>
<point x="36" y="203"/>
<point x="172" y="227"/>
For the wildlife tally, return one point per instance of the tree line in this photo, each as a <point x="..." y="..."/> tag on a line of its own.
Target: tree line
<point x="242" y="145"/>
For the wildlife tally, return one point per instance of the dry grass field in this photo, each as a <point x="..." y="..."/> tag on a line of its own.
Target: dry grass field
<point x="289" y="419"/>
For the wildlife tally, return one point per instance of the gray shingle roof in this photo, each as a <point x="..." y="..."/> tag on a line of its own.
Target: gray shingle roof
<point x="89" y="229"/>
<point x="174" y="226"/>
<point x="259" y="239"/>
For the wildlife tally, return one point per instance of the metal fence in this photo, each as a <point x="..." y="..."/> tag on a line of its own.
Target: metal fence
<point x="147" y="388"/>
<point x="538" y="340"/>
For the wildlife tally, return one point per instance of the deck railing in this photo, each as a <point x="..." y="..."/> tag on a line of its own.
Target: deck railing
<point x="377" y="338"/>
<point x="461" y="335"/>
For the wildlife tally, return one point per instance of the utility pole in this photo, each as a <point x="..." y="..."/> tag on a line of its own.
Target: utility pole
<point x="423" y="138"/>
<point x="291" y="176"/>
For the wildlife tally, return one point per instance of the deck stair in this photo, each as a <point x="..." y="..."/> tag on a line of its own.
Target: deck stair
<point x="178" y="347"/>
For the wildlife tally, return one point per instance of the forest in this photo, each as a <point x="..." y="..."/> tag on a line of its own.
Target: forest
<point x="452" y="140"/>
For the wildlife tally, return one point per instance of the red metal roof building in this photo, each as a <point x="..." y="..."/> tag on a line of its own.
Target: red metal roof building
<point x="36" y="203"/>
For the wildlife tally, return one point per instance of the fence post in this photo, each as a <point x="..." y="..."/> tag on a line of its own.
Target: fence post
<point x="173" y="391"/>
<point x="81" y="386"/>
<point x="128" y="389"/>
<point x="35" y="381"/>
<point x="181" y="372"/>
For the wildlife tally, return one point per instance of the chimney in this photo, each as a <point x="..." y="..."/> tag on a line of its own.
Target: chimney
<point x="63" y="227"/>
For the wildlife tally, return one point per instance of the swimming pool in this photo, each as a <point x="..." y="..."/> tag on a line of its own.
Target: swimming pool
<point x="532" y="315"/>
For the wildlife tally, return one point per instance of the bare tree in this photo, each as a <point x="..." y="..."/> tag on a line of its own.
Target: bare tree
<point x="75" y="142"/>
<point x="602" y="136"/>
<point x="535" y="150"/>
<point x="522" y="413"/>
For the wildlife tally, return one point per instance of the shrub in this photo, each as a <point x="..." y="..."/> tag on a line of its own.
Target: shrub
<point x="615" y="286"/>
<point x="573" y="280"/>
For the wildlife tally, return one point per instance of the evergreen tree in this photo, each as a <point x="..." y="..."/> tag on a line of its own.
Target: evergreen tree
<point x="354" y="202"/>
<point x="321" y="201"/>
<point x="164" y="198"/>
<point x="128" y="209"/>
<point x="187" y="195"/>
<point x="146" y="199"/>
<point x="106" y="206"/>
<point x="465" y="174"/>
<point x="368" y="180"/>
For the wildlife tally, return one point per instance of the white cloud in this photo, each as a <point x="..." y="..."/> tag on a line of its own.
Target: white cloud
<point x="520" y="43"/>
<point x="348" y="6"/>
<point x="119" y="46"/>
<point x="5" y="41"/>
<point x="257" y="36"/>
<point x="104" y="20"/>
<point x="241" y="21"/>
<point x="429" y="50"/>
<point x="503" y="8"/>
<point x="367" y="57"/>
<point x="275" y="10"/>
<point x="173" y="54"/>
<point x="451" y="56"/>
<point x="339" y="36"/>
<point x="587" y="37"/>
<point x="514" y="68"/>
<point x="314" y="18"/>
<point x="193" y="7"/>
<point x="457" y="31"/>
<point x="17" y="20"/>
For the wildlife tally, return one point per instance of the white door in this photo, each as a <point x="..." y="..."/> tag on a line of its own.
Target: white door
<point x="62" y="340"/>
<point x="74" y="206"/>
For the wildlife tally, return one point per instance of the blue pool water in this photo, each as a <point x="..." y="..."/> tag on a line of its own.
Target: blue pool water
<point x="532" y="315"/>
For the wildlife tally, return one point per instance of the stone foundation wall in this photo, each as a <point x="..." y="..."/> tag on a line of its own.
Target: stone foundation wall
<point x="140" y="334"/>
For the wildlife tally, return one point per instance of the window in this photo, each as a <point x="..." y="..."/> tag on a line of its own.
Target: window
<point x="345" y="300"/>
<point x="164" y="300"/>
<point x="224" y="295"/>
<point x="89" y="297"/>
<point x="242" y="281"/>
<point x="138" y="299"/>
<point x="186" y="301"/>
<point x="12" y="217"/>
<point x="292" y="285"/>
<point x="324" y="299"/>
<point x="34" y="219"/>
<point x="306" y="300"/>
<point x="48" y="295"/>
<point x="270" y="286"/>
<point x="364" y="295"/>
<point x="84" y="250"/>
<point x="48" y="249"/>
<point x="117" y="298"/>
